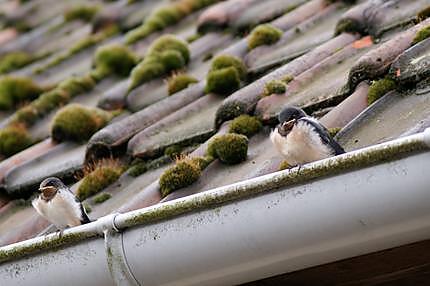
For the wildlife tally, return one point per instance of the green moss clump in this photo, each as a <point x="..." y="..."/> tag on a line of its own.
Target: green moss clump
<point x="74" y="85"/>
<point x="229" y="148"/>
<point x="170" y="43"/>
<point x="98" y="178"/>
<point x="137" y="168"/>
<point x="225" y="75"/>
<point x="115" y="59"/>
<point x="264" y="34"/>
<point x="284" y="165"/>
<point x="223" y="81"/>
<point x="202" y="162"/>
<point x="15" y="90"/>
<point x="173" y="151"/>
<point x="26" y="115"/>
<point x="245" y="125"/>
<point x="179" y="82"/>
<point x="421" y="35"/>
<point x="145" y="72"/>
<point x="182" y="174"/>
<point x="225" y="61"/>
<point x="14" y="60"/>
<point x="49" y="101"/>
<point x="166" y="16"/>
<point x="172" y="60"/>
<point x="274" y="87"/>
<point x="77" y="123"/>
<point x="333" y="131"/>
<point x="379" y="88"/>
<point x="83" y="13"/>
<point x="14" y="139"/>
<point x="166" y="54"/>
<point x="230" y="110"/>
<point x="101" y="198"/>
<point x="287" y="79"/>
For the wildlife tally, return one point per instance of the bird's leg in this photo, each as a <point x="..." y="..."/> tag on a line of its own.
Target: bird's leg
<point x="299" y="167"/>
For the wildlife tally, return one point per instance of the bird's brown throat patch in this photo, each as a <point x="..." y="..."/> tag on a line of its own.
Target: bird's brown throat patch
<point x="286" y="127"/>
<point x="47" y="193"/>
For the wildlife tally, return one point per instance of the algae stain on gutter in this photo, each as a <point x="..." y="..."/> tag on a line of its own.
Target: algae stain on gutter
<point x="51" y="242"/>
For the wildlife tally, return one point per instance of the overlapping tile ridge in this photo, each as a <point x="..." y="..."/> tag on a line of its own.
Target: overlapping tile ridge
<point x="136" y="88"/>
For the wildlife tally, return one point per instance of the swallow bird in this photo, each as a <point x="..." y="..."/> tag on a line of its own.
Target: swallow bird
<point x="59" y="205"/>
<point x="302" y="139"/>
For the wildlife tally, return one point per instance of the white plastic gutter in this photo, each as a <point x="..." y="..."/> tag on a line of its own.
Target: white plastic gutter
<point x="360" y="202"/>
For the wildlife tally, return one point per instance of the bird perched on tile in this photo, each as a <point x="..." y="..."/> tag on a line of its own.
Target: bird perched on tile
<point x="302" y="139"/>
<point x="59" y="205"/>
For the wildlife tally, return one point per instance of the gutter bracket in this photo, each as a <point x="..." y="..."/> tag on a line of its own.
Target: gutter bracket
<point x="116" y="260"/>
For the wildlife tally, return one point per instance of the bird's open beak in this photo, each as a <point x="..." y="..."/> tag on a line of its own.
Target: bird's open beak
<point x="286" y="127"/>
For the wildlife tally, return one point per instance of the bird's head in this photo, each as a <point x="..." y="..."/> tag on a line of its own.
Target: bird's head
<point x="289" y="113"/>
<point x="288" y="118"/>
<point x="49" y="188"/>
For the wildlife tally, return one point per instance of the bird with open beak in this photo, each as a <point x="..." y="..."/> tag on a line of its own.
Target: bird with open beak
<point x="302" y="139"/>
<point x="59" y="205"/>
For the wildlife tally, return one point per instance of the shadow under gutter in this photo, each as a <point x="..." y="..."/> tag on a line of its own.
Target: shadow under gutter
<point x="356" y="203"/>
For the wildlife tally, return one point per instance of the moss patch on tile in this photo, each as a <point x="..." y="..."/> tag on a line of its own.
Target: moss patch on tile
<point x="114" y="59"/>
<point x="101" y="198"/>
<point x="229" y="110"/>
<point x="14" y="60"/>
<point x="78" y="123"/>
<point x="274" y="87"/>
<point x="98" y="177"/>
<point x="137" y="168"/>
<point x="379" y="88"/>
<point x="14" y="139"/>
<point x="225" y="75"/>
<point x="166" y="54"/>
<point x="185" y="172"/>
<point x="166" y="16"/>
<point x="82" y="12"/>
<point x="230" y="148"/>
<point x="421" y="35"/>
<point x="16" y="90"/>
<point x="179" y="82"/>
<point x="264" y="34"/>
<point x="173" y="151"/>
<point x="246" y="125"/>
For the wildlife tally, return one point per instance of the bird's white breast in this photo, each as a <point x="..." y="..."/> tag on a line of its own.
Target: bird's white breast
<point x="302" y="145"/>
<point x="62" y="210"/>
